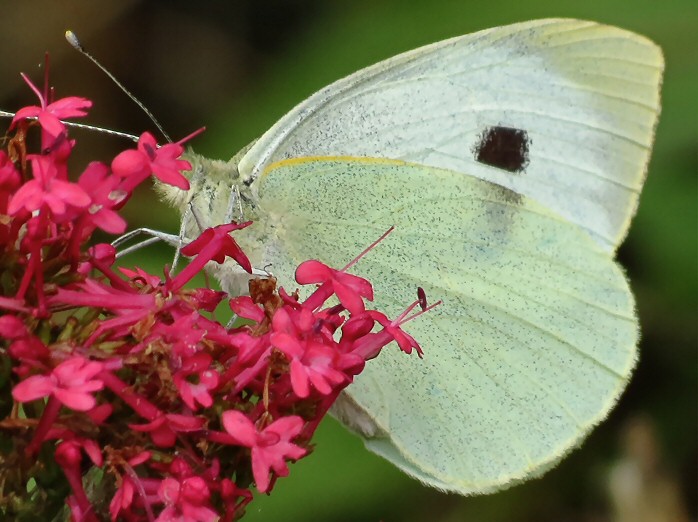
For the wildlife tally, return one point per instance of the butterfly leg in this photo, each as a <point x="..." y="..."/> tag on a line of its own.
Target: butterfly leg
<point x="155" y="236"/>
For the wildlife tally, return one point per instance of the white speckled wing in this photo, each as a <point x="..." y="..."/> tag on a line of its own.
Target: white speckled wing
<point x="586" y="95"/>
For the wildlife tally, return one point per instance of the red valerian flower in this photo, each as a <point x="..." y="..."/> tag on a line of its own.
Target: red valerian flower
<point x="163" y="430"/>
<point x="314" y="357"/>
<point x="207" y="299"/>
<point x="69" y="457"/>
<point x="123" y="498"/>
<point x="142" y="364"/>
<point x="270" y="447"/>
<point x="163" y="162"/>
<point x="214" y="244"/>
<point x="206" y="379"/>
<point x="12" y="328"/>
<point x="30" y="352"/>
<point x="132" y="485"/>
<point x="47" y="190"/>
<point x="184" y="336"/>
<point x="404" y="340"/>
<point x="71" y="382"/>
<point x="128" y="306"/>
<point x="349" y="289"/>
<point x="246" y="308"/>
<point x="140" y="276"/>
<point x="98" y="182"/>
<point x="185" y="500"/>
<point x="49" y="115"/>
<point x="10" y="180"/>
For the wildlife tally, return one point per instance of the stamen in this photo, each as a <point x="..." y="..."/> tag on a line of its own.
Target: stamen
<point x="370" y="247"/>
<point x="422" y="297"/>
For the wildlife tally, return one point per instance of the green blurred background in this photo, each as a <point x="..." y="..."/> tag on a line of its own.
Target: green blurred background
<point x="238" y="66"/>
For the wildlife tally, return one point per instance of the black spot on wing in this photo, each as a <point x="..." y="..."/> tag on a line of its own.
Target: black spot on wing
<point x="503" y="147"/>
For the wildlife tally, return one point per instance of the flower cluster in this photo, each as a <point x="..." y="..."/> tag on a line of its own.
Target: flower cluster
<point x="120" y="395"/>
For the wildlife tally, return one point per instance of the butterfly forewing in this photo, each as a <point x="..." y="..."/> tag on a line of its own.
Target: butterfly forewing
<point x="585" y="95"/>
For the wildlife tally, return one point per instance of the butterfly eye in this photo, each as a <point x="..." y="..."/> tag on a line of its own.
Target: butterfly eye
<point x="503" y="147"/>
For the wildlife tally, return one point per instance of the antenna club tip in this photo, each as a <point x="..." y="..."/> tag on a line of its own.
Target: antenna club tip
<point x="72" y="39"/>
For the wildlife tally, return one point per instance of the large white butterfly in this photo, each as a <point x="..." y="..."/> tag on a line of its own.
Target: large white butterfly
<point x="510" y="161"/>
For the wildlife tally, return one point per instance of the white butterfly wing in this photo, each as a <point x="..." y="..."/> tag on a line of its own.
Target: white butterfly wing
<point x="531" y="347"/>
<point x="586" y="95"/>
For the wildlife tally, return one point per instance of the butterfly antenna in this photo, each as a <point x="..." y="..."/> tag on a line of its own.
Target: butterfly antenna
<point x="72" y="124"/>
<point x="75" y="43"/>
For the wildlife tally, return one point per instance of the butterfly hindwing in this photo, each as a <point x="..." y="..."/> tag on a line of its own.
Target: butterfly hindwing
<point x="531" y="347"/>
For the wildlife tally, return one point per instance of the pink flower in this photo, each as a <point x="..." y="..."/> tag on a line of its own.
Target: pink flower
<point x="123" y="499"/>
<point x="349" y="289"/>
<point x="251" y="360"/>
<point x="71" y="382"/>
<point x="12" y="328"/>
<point x="136" y="359"/>
<point x="9" y="177"/>
<point x="101" y="257"/>
<point x="358" y="339"/>
<point x="246" y="308"/>
<point x="163" y="430"/>
<point x="184" y="335"/>
<point x="9" y="180"/>
<point x="315" y="358"/>
<point x="196" y="379"/>
<point x="128" y="305"/>
<point x="102" y="188"/>
<point x="315" y="364"/>
<point x="147" y="159"/>
<point x="405" y="341"/>
<point x="69" y="457"/>
<point x="30" y="352"/>
<point x="46" y="189"/>
<point x="214" y="244"/>
<point x="270" y="447"/>
<point x="49" y="116"/>
<point x="185" y="500"/>
<point x="141" y="277"/>
<point x="208" y="299"/>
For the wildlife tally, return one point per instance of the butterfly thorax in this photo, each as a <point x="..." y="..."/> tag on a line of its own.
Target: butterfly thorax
<point x="218" y="195"/>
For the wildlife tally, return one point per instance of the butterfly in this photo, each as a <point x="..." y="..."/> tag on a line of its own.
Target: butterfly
<point x="510" y="162"/>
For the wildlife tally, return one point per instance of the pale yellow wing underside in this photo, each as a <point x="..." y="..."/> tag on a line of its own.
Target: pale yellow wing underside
<point x="531" y="348"/>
